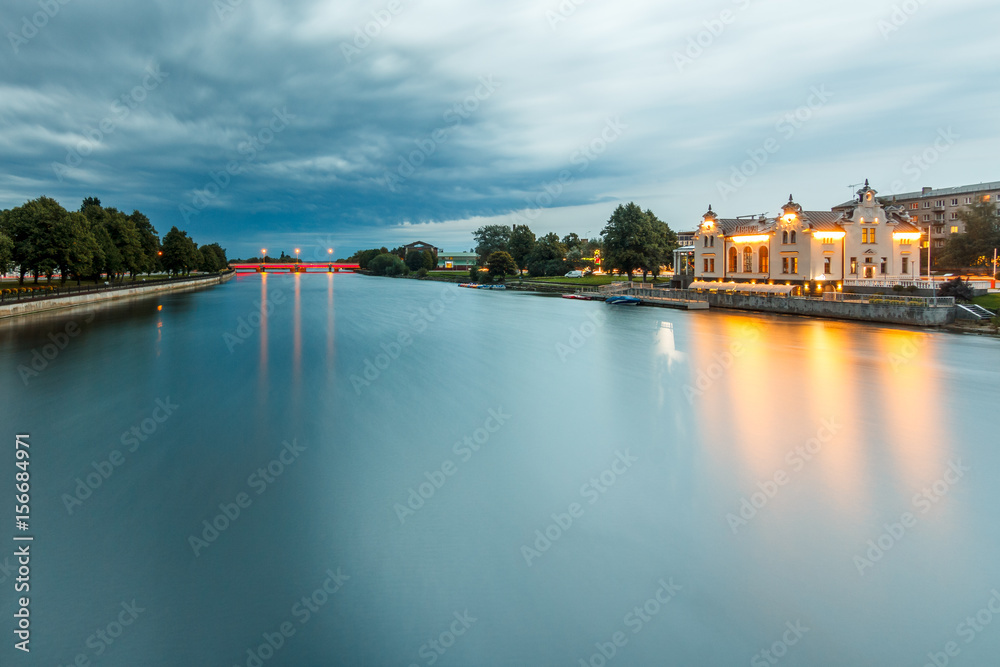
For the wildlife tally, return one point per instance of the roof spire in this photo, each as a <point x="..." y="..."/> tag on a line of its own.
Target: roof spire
<point x="789" y="199"/>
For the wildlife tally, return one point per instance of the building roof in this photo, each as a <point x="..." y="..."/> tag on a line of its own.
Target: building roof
<point x="741" y="226"/>
<point x="931" y="193"/>
<point x="823" y="221"/>
<point x="904" y="226"/>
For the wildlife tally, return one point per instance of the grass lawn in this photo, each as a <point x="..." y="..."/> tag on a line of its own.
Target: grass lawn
<point x="589" y="281"/>
<point x="449" y="274"/>
<point x="990" y="301"/>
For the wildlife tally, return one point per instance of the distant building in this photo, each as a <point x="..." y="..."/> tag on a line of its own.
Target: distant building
<point x="456" y="260"/>
<point x="420" y="246"/>
<point x="935" y="210"/>
<point x="685" y="238"/>
<point x="862" y="241"/>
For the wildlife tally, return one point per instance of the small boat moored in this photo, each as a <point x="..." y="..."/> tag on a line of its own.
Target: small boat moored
<point x="623" y="301"/>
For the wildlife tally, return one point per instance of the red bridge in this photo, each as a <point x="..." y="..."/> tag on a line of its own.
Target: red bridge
<point x="296" y="267"/>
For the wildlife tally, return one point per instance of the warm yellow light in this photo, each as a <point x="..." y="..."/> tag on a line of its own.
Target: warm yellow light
<point x="329" y="251"/>
<point x="297" y="251"/>
<point x="788" y="217"/>
<point x="907" y="235"/>
<point x="829" y="236"/>
<point x="751" y="238"/>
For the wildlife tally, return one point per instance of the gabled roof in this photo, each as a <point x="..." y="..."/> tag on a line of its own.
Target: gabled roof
<point x="904" y="226"/>
<point x="742" y="226"/>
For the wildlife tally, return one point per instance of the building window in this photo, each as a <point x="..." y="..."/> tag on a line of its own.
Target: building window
<point x="784" y="265"/>
<point x="854" y="266"/>
<point x="927" y="204"/>
<point x="939" y="202"/>
<point x="711" y="244"/>
<point x="826" y="266"/>
<point x="794" y="262"/>
<point x="954" y="215"/>
<point x="914" y="206"/>
<point x="711" y="265"/>
<point x="792" y="241"/>
<point x="938" y="229"/>
<point x="938" y="243"/>
<point x="954" y="229"/>
<point x="732" y="260"/>
<point x="927" y="217"/>
<point x="748" y="260"/>
<point x="704" y="265"/>
<point x="763" y="261"/>
<point x="884" y="268"/>
<point x="968" y="200"/>
<point x="954" y="202"/>
<point x="784" y="237"/>
<point x="868" y="235"/>
<point x="906" y="265"/>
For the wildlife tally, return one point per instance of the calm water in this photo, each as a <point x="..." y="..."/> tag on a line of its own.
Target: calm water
<point x="709" y="482"/>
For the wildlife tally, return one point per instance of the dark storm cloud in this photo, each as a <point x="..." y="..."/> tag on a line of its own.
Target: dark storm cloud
<point x="251" y="120"/>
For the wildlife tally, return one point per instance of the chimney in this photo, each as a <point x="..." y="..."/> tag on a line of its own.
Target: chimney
<point x="925" y="190"/>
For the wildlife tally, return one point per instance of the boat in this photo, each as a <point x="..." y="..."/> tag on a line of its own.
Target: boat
<point x="623" y="300"/>
<point x="478" y="286"/>
<point x="574" y="296"/>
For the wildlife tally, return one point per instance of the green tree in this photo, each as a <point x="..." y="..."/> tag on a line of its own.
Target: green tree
<point x="387" y="264"/>
<point x="149" y="240"/>
<point x="500" y="264"/>
<point x="414" y="259"/>
<point x="213" y="258"/>
<point x="974" y="247"/>
<point x="658" y="242"/>
<point x="6" y="251"/>
<point x="624" y="238"/>
<point x="521" y="243"/>
<point x="430" y="260"/>
<point x="547" y="258"/>
<point x="179" y="252"/>
<point x="491" y="238"/>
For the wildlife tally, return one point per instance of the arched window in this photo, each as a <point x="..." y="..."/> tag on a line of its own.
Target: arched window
<point x="784" y="237"/>
<point x="748" y="260"/>
<point x="763" y="266"/>
<point x="732" y="260"/>
<point x="711" y="241"/>
<point x="793" y="237"/>
<point x="704" y="241"/>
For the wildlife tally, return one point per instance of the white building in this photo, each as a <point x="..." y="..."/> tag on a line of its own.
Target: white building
<point x="818" y="250"/>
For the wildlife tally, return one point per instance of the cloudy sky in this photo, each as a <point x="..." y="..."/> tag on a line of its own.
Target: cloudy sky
<point x="260" y="123"/>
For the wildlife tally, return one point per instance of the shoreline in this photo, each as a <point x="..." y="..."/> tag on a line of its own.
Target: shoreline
<point x="19" y="309"/>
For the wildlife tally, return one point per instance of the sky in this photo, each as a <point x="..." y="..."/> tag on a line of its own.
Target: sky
<point x="265" y="124"/>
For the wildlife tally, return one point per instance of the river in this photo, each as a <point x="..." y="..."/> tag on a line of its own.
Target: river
<point x="344" y="470"/>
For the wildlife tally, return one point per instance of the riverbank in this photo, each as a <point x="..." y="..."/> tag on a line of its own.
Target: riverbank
<point x="18" y="308"/>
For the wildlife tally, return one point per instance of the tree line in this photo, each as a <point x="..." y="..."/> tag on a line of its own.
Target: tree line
<point x="41" y="238"/>
<point x="632" y="241"/>
<point x="395" y="262"/>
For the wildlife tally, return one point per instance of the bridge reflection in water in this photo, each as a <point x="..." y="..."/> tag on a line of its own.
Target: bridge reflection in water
<point x="296" y="267"/>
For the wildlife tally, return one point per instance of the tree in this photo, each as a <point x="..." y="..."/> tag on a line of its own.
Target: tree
<point x="491" y="238"/>
<point x="6" y="251"/>
<point x="213" y="258"/>
<point x="430" y="260"/>
<point x="387" y="264"/>
<point x="962" y="291"/>
<point x="623" y="237"/>
<point x="547" y="256"/>
<point x="658" y="242"/>
<point x="500" y="264"/>
<point x="149" y="240"/>
<point x="127" y="241"/>
<point x="521" y="243"/>
<point x="974" y="248"/>
<point x="179" y="252"/>
<point x="415" y="259"/>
